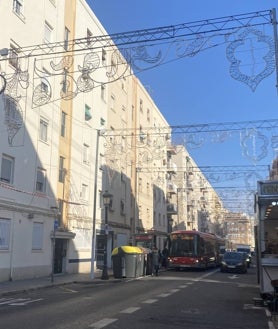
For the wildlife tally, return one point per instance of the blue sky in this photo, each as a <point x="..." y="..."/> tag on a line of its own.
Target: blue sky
<point x="200" y="89"/>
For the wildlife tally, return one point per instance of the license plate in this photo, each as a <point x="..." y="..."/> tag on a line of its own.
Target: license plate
<point x="231" y="266"/>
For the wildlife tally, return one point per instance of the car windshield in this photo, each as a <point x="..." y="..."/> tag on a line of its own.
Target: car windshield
<point x="233" y="255"/>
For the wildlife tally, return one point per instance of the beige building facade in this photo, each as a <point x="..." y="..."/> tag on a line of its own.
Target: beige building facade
<point x="198" y="205"/>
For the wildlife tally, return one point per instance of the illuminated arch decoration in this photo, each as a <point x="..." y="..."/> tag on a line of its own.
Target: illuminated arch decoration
<point x="13" y="117"/>
<point x="269" y="59"/>
<point x="254" y="145"/>
<point x="14" y="88"/>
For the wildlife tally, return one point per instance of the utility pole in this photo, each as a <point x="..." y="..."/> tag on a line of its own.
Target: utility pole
<point x="274" y="23"/>
<point x="93" y="251"/>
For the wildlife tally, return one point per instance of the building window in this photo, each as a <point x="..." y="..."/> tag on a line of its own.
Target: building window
<point x="43" y="130"/>
<point x="40" y="184"/>
<point x="140" y="185"/>
<point x="66" y="38"/>
<point x="48" y="31"/>
<point x="89" y="37"/>
<point x="64" y="82"/>
<point x="84" y="192"/>
<point x="102" y="122"/>
<point x="124" y="84"/>
<point x="113" y="65"/>
<point x="61" y="169"/>
<point x="5" y="228"/>
<point x="86" y="151"/>
<point x="103" y="57"/>
<point x="88" y="114"/>
<point x="18" y="7"/>
<point x="112" y="102"/>
<point x="141" y="106"/>
<point x="148" y="188"/>
<point x="44" y="86"/>
<point x="7" y="169"/>
<point x="123" y="210"/>
<point x="148" y="115"/>
<point x="37" y="236"/>
<point x="63" y="124"/>
<point x="13" y="57"/>
<point x="103" y="92"/>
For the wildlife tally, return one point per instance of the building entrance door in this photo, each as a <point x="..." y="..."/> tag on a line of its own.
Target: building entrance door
<point x="60" y="253"/>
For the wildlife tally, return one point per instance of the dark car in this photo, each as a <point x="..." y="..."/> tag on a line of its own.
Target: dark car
<point x="234" y="261"/>
<point x="248" y="254"/>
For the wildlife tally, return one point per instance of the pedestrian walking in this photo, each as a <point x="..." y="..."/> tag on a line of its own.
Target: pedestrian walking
<point x="155" y="261"/>
<point x="165" y="254"/>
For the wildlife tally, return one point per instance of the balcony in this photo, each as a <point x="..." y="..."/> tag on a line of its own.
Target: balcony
<point x="172" y="149"/>
<point x="171" y="167"/>
<point x="172" y="209"/>
<point x="172" y="188"/>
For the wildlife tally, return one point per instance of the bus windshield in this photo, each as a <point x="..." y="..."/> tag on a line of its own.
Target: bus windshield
<point x="182" y="245"/>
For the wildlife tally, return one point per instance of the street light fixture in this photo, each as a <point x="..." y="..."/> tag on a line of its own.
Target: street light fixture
<point x="107" y="197"/>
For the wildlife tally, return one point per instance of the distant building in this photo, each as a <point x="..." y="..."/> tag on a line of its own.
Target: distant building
<point x="198" y="205"/>
<point x="239" y="229"/>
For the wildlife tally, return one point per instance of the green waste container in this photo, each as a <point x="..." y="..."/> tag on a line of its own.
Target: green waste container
<point x="128" y="262"/>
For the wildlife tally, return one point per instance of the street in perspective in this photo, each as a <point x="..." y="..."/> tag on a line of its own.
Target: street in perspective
<point x="138" y="169"/>
<point x="174" y="299"/>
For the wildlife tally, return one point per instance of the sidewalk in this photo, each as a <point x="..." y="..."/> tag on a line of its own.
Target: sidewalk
<point x="17" y="286"/>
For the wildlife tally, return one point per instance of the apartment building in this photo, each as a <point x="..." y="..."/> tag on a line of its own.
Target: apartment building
<point x="57" y="117"/>
<point x="239" y="229"/>
<point x="52" y="113"/>
<point x="136" y="136"/>
<point x="198" y="205"/>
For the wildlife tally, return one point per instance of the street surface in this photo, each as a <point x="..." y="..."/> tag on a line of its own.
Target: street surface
<point x="184" y="299"/>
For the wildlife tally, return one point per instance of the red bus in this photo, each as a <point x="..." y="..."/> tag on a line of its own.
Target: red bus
<point x="193" y="249"/>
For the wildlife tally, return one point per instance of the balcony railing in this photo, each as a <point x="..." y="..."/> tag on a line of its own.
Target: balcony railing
<point x="172" y="188"/>
<point x="172" y="209"/>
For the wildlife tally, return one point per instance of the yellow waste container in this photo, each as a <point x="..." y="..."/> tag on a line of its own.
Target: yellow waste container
<point x="128" y="262"/>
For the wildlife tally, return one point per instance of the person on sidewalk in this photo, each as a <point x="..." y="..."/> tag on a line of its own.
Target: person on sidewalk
<point x="165" y="254"/>
<point x="155" y="261"/>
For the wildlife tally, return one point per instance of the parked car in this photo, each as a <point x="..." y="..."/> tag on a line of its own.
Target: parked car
<point x="234" y="261"/>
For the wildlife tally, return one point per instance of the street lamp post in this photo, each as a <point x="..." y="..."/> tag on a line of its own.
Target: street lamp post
<point x="107" y="197"/>
<point x="55" y="226"/>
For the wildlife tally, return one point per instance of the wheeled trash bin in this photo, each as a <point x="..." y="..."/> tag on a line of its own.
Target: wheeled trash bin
<point x="148" y="264"/>
<point x="128" y="262"/>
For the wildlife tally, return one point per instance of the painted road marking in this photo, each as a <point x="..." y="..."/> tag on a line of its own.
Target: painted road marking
<point x="164" y="295"/>
<point x="102" y="323"/>
<point x="130" y="310"/>
<point x="233" y="277"/>
<point x="18" y="301"/>
<point x="252" y="307"/>
<point x="4" y="301"/>
<point x="149" y="301"/>
<point x="25" y="303"/>
<point x="69" y="290"/>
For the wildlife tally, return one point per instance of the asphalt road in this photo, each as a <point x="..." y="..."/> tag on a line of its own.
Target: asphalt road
<point x="185" y="299"/>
